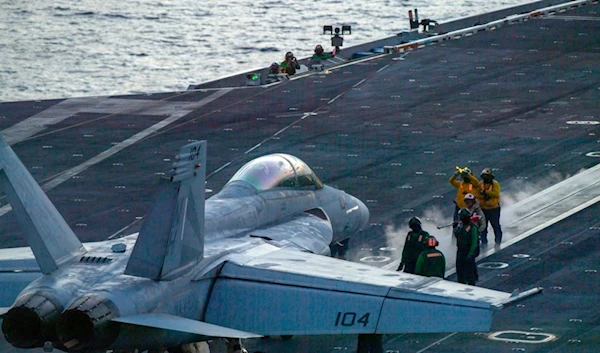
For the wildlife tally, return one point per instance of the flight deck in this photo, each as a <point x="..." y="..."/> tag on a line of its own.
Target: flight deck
<point x="521" y="97"/>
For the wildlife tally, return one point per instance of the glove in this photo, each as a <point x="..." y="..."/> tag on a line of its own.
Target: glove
<point x="400" y="267"/>
<point x="469" y="258"/>
<point x="475" y="218"/>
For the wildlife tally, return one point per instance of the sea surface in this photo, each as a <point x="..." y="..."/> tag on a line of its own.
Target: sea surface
<point x="59" y="49"/>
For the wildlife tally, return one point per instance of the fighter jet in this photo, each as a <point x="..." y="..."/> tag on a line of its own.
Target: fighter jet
<point x="244" y="263"/>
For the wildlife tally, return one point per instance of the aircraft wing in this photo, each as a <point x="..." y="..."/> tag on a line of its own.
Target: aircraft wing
<point x="180" y="324"/>
<point x="287" y="292"/>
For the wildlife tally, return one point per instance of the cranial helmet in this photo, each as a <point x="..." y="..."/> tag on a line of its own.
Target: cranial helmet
<point x="432" y="242"/>
<point x="414" y="221"/>
<point x="469" y="197"/>
<point x="464" y="214"/>
<point x="486" y="171"/>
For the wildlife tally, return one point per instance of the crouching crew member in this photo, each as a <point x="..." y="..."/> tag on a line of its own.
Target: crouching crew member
<point x="467" y="243"/>
<point x="416" y="242"/>
<point x="431" y="262"/>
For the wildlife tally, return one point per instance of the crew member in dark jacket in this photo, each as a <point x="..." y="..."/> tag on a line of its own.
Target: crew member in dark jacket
<point x="467" y="243"/>
<point x="416" y="242"/>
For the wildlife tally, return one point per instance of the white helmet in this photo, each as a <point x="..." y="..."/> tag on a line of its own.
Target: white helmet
<point x="470" y="197"/>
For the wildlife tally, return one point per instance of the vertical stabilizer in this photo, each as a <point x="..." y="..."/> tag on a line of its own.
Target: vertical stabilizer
<point x="172" y="236"/>
<point x="51" y="239"/>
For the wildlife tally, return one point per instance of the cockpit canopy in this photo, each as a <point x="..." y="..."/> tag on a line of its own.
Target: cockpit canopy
<point x="277" y="171"/>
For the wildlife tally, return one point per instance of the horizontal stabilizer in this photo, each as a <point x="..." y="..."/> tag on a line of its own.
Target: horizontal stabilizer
<point x="176" y="323"/>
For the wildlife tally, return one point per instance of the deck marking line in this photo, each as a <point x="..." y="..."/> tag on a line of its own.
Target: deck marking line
<point x="69" y="173"/>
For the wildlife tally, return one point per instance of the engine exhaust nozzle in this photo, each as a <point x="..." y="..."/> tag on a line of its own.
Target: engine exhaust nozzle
<point x="31" y="321"/>
<point x="87" y="325"/>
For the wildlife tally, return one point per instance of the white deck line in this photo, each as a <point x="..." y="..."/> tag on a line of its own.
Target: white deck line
<point x="68" y="174"/>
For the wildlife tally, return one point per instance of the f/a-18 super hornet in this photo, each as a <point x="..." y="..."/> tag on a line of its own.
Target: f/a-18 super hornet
<point x="247" y="262"/>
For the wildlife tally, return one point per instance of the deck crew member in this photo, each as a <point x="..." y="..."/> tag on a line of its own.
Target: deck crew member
<point x="416" y="242"/>
<point x="320" y="53"/>
<point x="467" y="244"/>
<point x="431" y="262"/>
<point x="290" y="64"/>
<point x="468" y="185"/>
<point x="489" y="199"/>
<point x="477" y="214"/>
<point x="273" y="75"/>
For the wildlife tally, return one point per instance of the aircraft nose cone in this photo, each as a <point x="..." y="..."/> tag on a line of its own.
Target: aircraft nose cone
<point x="364" y="214"/>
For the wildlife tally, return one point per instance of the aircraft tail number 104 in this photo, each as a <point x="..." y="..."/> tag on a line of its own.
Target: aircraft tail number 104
<point x="349" y="319"/>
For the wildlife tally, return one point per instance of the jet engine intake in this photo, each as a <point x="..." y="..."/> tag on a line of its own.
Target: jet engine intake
<point x="32" y="320"/>
<point x="86" y="324"/>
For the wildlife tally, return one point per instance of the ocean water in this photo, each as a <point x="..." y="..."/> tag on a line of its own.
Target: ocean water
<point x="58" y="49"/>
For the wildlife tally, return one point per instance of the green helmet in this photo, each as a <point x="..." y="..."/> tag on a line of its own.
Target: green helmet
<point x="463" y="214"/>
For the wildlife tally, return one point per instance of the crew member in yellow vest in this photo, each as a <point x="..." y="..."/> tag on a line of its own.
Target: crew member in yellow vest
<point x="489" y="200"/>
<point x="468" y="185"/>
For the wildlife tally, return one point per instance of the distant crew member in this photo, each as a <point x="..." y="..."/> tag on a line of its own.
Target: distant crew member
<point x="467" y="244"/>
<point x="290" y="64"/>
<point x="431" y="262"/>
<point x="468" y="185"/>
<point x="416" y="242"/>
<point x="273" y="75"/>
<point x="320" y="53"/>
<point x="489" y="199"/>
<point x="477" y="215"/>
